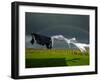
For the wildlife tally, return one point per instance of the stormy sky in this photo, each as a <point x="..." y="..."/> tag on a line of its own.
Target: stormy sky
<point x="57" y="24"/>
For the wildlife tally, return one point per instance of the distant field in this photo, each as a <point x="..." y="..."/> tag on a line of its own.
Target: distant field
<point x="55" y="57"/>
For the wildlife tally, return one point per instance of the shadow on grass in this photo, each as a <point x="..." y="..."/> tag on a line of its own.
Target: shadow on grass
<point x="52" y="62"/>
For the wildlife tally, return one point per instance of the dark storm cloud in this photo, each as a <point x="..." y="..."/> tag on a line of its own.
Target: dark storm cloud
<point x="54" y="24"/>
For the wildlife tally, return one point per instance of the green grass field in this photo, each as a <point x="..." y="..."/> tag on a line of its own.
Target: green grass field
<point x="55" y="57"/>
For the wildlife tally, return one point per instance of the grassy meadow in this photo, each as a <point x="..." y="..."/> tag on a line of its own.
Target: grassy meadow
<point x="55" y="57"/>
